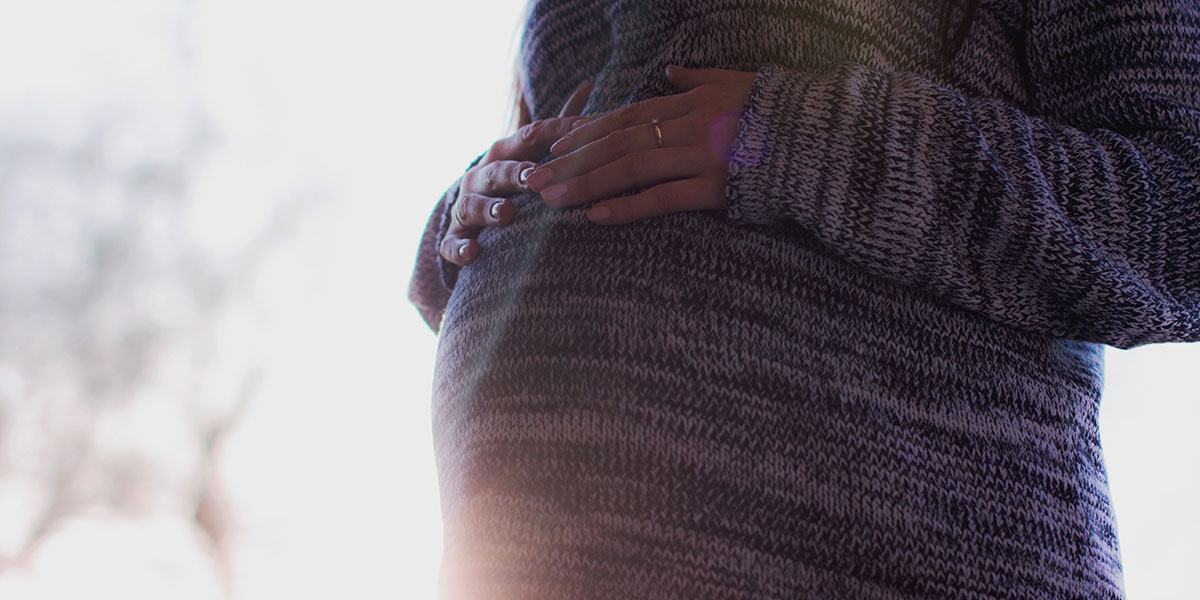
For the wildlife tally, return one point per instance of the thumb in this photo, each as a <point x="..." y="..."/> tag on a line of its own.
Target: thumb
<point x="686" y="79"/>
<point x="574" y="105"/>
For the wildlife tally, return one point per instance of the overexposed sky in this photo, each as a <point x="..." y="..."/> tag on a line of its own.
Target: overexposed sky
<point x="342" y="122"/>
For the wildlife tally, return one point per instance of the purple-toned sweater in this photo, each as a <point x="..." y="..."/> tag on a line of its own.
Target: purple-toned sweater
<point x="876" y="374"/>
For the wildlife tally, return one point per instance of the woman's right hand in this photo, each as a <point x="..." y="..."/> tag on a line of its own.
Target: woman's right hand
<point x="483" y="196"/>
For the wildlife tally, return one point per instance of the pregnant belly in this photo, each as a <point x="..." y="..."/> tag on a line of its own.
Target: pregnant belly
<point x="696" y="299"/>
<point x="684" y="392"/>
<point x="686" y="296"/>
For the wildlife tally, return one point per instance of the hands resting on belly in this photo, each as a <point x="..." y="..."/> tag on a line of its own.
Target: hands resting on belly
<point x="681" y="162"/>
<point x="483" y="196"/>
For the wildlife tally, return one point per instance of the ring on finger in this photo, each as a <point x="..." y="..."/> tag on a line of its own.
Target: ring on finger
<point x="657" y="131"/>
<point x="454" y="213"/>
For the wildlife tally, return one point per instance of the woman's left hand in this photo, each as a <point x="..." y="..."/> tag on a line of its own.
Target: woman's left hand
<point x="619" y="151"/>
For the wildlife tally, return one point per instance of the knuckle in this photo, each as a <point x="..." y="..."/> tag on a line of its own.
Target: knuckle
<point x="633" y="164"/>
<point x="665" y="199"/>
<point x="478" y="210"/>
<point x="527" y="134"/>
<point x="514" y="173"/>
<point x="448" y="249"/>
<point x="463" y="208"/>
<point x="627" y="115"/>
<point x="492" y="176"/>
<point x="614" y="144"/>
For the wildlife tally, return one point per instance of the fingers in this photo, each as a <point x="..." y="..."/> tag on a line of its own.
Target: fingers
<point x="500" y="178"/>
<point x="671" y="197"/>
<point x="626" y="117"/>
<point x="574" y="105"/>
<point x="471" y="213"/>
<point x="623" y="160"/>
<point x="502" y="173"/>
<point x="637" y="169"/>
<point x="460" y="251"/>
<point x="532" y="141"/>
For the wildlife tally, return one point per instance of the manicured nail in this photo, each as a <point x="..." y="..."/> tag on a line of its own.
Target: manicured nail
<point x="554" y="192"/>
<point x="524" y="177"/>
<point x="462" y="250"/>
<point x="495" y="211"/>
<point x="599" y="213"/>
<point x="539" y="177"/>
<point x="562" y="145"/>
<point x="580" y="121"/>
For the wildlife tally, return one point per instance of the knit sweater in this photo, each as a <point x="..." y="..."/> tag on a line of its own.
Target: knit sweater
<point x="877" y="373"/>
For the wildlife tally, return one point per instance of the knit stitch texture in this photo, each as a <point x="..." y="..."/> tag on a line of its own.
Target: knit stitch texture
<point x="877" y="373"/>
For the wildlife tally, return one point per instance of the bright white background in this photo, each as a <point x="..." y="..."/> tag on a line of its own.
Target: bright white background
<point x="208" y="216"/>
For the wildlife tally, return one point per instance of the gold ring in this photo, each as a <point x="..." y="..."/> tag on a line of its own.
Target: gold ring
<point x="657" y="131"/>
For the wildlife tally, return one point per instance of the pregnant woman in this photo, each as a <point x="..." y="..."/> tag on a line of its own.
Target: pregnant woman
<point x="820" y="314"/>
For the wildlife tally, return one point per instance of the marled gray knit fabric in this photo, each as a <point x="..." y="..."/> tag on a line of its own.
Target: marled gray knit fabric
<point x="877" y="374"/>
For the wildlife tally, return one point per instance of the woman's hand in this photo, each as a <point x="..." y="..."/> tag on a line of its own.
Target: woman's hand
<point x="619" y="151"/>
<point x="482" y="197"/>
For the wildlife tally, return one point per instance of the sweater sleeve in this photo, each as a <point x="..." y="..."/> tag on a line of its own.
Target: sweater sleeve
<point x="1080" y="223"/>
<point x="433" y="276"/>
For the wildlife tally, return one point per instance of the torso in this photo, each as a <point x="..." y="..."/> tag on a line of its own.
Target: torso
<point x="683" y="407"/>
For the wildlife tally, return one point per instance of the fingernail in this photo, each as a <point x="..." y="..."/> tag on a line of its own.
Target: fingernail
<point x="554" y="192"/>
<point x="524" y="177"/>
<point x="462" y="250"/>
<point x="539" y="177"/>
<point x="580" y="121"/>
<point x="599" y="213"/>
<point x="495" y="211"/>
<point x="562" y="145"/>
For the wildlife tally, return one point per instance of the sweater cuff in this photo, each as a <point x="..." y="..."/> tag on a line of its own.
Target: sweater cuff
<point x="776" y="158"/>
